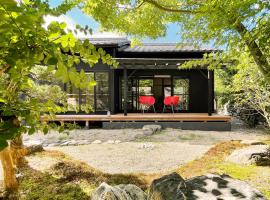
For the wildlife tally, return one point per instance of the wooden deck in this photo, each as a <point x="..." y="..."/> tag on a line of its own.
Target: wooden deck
<point x="140" y="117"/>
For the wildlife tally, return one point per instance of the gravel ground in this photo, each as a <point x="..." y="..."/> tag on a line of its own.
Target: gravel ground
<point x="160" y="152"/>
<point x="135" y="157"/>
<point x="122" y="151"/>
<point x="78" y="137"/>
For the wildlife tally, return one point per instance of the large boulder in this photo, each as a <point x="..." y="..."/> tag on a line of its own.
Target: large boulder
<point x="120" y="192"/>
<point x="253" y="142"/>
<point x="169" y="187"/>
<point x="261" y="159"/>
<point x="210" y="186"/>
<point x="151" y="129"/>
<point x="214" y="186"/>
<point x="247" y="155"/>
<point x="133" y="191"/>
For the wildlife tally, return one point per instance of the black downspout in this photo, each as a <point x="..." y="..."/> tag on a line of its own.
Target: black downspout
<point x="112" y="90"/>
<point x="210" y="92"/>
<point x="112" y="85"/>
<point x="125" y="91"/>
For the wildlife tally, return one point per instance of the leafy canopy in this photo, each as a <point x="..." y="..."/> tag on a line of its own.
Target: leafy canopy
<point x="24" y="44"/>
<point x="232" y="24"/>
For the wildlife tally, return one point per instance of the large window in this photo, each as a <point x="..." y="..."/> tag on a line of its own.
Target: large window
<point x="72" y="98"/>
<point x="181" y="89"/>
<point x="102" y="91"/>
<point x="145" y="87"/>
<point x="87" y="102"/>
<point x="92" y="99"/>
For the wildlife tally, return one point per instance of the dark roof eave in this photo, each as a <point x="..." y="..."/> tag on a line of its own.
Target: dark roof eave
<point x="180" y="51"/>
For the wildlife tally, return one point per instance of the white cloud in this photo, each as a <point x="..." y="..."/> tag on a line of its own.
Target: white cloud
<point x="62" y="18"/>
<point x="71" y="24"/>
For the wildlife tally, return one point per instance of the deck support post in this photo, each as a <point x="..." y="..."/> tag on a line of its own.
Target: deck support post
<point x="86" y="125"/>
<point x="125" y="91"/>
<point x="210" y="92"/>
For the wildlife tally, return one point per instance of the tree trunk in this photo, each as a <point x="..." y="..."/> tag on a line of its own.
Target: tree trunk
<point x="10" y="181"/>
<point x="18" y="152"/>
<point x="255" y="51"/>
<point x="12" y="157"/>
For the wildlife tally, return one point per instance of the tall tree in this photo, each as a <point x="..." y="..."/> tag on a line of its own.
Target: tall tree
<point x="233" y="24"/>
<point x="25" y="43"/>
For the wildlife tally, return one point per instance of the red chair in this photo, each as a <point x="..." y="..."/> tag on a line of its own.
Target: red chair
<point x="146" y="102"/>
<point x="171" y="101"/>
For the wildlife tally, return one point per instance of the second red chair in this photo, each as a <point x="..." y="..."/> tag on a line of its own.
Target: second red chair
<point x="171" y="101"/>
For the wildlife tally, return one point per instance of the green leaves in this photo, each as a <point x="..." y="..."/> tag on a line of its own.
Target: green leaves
<point x="52" y="61"/>
<point x="213" y="22"/>
<point x="35" y="61"/>
<point x="68" y="40"/>
<point x="3" y="144"/>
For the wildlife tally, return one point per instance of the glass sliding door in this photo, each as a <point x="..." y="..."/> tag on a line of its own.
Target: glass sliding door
<point x="136" y="87"/>
<point x="181" y="89"/>
<point x="159" y="87"/>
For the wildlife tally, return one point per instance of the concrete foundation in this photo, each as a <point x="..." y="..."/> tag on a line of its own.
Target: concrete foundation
<point x="204" y="126"/>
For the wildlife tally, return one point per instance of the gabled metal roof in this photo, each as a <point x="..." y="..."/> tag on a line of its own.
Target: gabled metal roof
<point x="113" y="42"/>
<point x="165" y="47"/>
<point x="123" y="45"/>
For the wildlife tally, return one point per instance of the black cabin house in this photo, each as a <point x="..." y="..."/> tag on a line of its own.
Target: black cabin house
<point x="146" y="70"/>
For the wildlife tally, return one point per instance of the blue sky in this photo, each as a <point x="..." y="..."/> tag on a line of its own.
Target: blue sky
<point x="79" y="17"/>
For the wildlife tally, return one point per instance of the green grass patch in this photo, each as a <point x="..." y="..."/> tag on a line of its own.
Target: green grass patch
<point x="69" y="180"/>
<point x="43" y="186"/>
<point x="238" y="171"/>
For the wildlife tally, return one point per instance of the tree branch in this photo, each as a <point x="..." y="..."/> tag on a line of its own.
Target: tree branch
<point x="165" y="8"/>
<point x="14" y="22"/>
<point x="259" y="58"/>
<point x="3" y="69"/>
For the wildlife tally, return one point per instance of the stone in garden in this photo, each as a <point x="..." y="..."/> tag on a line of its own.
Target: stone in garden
<point x="139" y="136"/>
<point x="110" y="142"/>
<point x="209" y="186"/>
<point x="65" y="143"/>
<point x="169" y="187"/>
<point x="34" y="148"/>
<point x="29" y="143"/>
<point x="214" y="186"/>
<point x="96" y="142"/>
<point x="73" y="143"/>
<point x="261" y="159"/>
<point x="253" y="142"/>
<point x="147" y="146"/>
<point x="53" y="145"/>
<point x="133" y="191"/>
<point x="151" y="129"/>
<point x="83" y="142"/>
<point x="120" y="192"/>
<point x="244" y="155"/>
